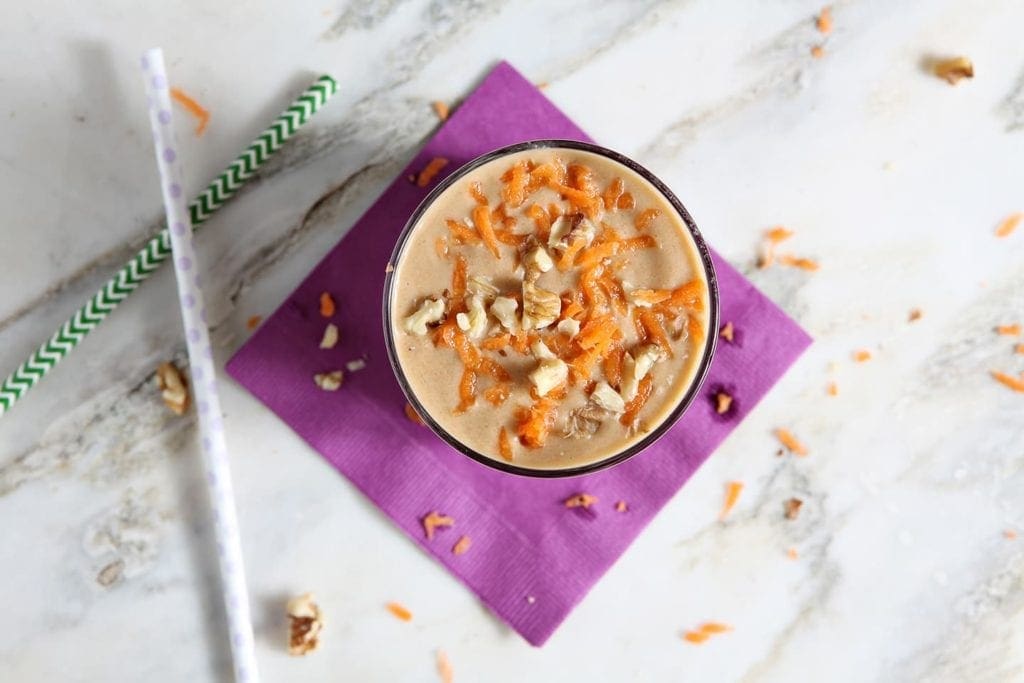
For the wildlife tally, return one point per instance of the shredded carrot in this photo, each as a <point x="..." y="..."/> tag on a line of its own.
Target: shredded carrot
<point x="541" y="220"/>
<point x="1015" y="383"/>
<point x="441" y="247"/>
<point x="649" y="297"/>
<point x="593" y="255"/>
<point x="514" y="191"/>
<point x="433" y="521"/>
<point x="799" y="262"/>
<point x="792" y="554"/>
<point x="705" y="631"/>
<point x="790" y="442"/>
<point x="201" y="115"/>
<point x="327" y="307"/>
<point x="832" y="389"/>
<point x="1009" y="330"/>
<point x="467" y="391"/>
<point x="482" y="221"/>
<point x="498" y="394"/>
<point x="582" y="178"/>
<point x="399" y="611"/>
<point x="411" y="413"/>
<point x="634" y="406"/>
<point x="504" y="444"/>
<point x="432" y="168"/>
<point x="444" y="668"/>
<point x="441" y="109"/>
<point x="493" y="369"/>
<point x="861" y="355"/>
<point x="817" y="51"/>
<point x="477" y="193"/>
<point x="626" y="201"/>
<point x="459" y="281"/>
<point x="535" y="423"/>
<point x="732" y="494"/>
<point x="655" y="332"/>
<point x="612" y="366"/>
<point x="496" y="342"/>
<point x="579" y="500"/>
<point x="687" y="297"/>
<point x="723" y="402"/>
<point x="824" y="20"/>
<point x="727" y="332"/>
<point x="520" y="342"/>
<point x="253" y="322"/>
<point x="612" y="193"/>
<point x="644" y="219"/>
<point x="695" y="637"/>
<point x="1009" y="224"/>
<point x="571" y="309"/>
<point x="715" y="627"/>
<point x="462" y="233"/>
<point x="462" y="546"/>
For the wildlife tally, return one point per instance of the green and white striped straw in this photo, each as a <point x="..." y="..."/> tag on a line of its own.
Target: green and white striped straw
<point x="135" y="272"/>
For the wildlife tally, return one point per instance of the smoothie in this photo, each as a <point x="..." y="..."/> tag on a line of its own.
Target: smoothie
<point x="549" y="309"/>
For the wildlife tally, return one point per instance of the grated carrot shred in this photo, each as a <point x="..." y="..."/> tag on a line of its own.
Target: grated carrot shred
<point x="861" y="355"/>
<point x="462" y="546"/>
<point x="536" y="422"/>
<point x="695" y="637"/>
<point x="732" y="494"/>
<point x="778" y="234"/>
<point x="467" y="391"/>
<point x="790" y="442"/>
<point x="1015" y="383"/>
<point x="459" y="281"/>
<point x="832" y="389"/>
<point x="444" y="668"/>
<point x="327" y="307"/>
<point x="824" y="20"/>
<point x="817" y="51"/>
<point x="612" y="193"/>
<point x="626" y="201"/>
<point x="1019" y="348"/>
<point x="644" y="219"/>
<point x="799" y="262"/>
<point x="482" y="221"/>
<point x="612" y="366"/>
<point x="541" y="220"/>
<point x="637" y="402"/>
<point x="441" y="247"/>
<point x="496" y="342"/>
<point x="433" y="521"/>
<point x="432" y="168"/>
<point x="504" y="445"/>
<point x="477" y="193"/>
<point x="593" y="255"/>
<point x="637" y="243"/>
<point x="1009" y="224"/>
<point x="579" y="500"/>
<point x="399" y="611"/>
<point x="566" y="259"/>
<point x="792" y="554"/>
<point x="201" y="115"/>
<point x="253" y="322"/>
<point x="655" y="332"/>
<point x="514" y="191"/>
<point x="462" y="233"/>
<point x="498" y="394"/>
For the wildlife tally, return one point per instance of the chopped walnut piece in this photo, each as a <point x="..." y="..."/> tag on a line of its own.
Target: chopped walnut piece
<point x="482" y="286"/>
<point x="953" y="70"/>
<point x="441" y="109"/>
<point x="580" y="500"/>
<point x="330" y="338"/>
<point x="723" y="402"/>
<point x="569" y="327"/>
<point x="253" y="322"/>
<point x="305" y="622"/>
<point x="540" y="307"/>
<point x="433" y="521"/>
<point x="539" y="259"/>
<point x="621" y="506"/>
<point x="606" y="397"/>
<point x="584" y="421"/>
<point x="329" y="381"/>
<point x="474" y="321"/>
<point x="430" y="311"/>
<point x="173" y="388"/>
<point x="635" y="367"/>
<point x="549" y="374"/>
<point x="727" y="332"/>
<point x="462" y="546"/>
<point x="504" y="309"/>
<point x="355" y="365"/>
<point x="792" y="507"/>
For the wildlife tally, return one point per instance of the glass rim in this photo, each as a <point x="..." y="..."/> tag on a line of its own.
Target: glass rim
<point x="685" y="401"/>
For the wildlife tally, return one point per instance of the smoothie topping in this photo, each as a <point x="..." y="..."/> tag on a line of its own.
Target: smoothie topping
<point x="430" y="311"/>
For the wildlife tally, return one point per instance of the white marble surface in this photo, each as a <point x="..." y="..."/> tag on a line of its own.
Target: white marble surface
<point x="892" y="179"/>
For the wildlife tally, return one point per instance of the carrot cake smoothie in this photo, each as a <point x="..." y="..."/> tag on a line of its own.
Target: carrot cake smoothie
<point x="550" y="308"/>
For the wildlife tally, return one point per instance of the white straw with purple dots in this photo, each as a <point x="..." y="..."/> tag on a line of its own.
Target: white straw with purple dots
<point x="204" y="381"/>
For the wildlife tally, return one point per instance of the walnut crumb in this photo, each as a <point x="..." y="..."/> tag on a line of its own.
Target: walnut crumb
<point x="433" y="521"/>
<point x="330" y="337"/>
<point x="727" y="332"/>
<point x="723" y="402"/>
<point x="915" y="314"/>
<point x="792" y="507"/>
<point x="305" y="622"/>
<point x="462" y="546"/>
<point x="329" y="381"/>
<point x="173" y="387"/>
<point x="954" y="70"/>
<point x="580" y="500"/>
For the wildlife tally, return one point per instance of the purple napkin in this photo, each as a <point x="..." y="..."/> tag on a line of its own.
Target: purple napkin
<point x="532" y="560"/>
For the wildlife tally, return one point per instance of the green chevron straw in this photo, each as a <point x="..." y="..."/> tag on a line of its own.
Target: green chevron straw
<point x="117" y="289"/>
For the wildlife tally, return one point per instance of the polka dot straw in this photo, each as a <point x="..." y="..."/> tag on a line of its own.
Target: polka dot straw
<point x="215" y="454"/>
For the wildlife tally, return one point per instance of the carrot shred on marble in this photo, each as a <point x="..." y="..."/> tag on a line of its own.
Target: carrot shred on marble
<point x="861" y="355"/>
<point x="799" y="262"/>
<point x="792" y="553"/>
<point x="441" y="109"/>
<point x="702" y="633"/>
<point x="778" y="234"/>
<point x="1008" y="330"/>
<point x="253" y="322"/>
<point x="200" y="113"/>
<point x="824" y="20"/>
<point x="399" y="611"/>
<point x="444" y="668"/>
<point x="1009" y="224"/>
<point x="817" y="51"/>
<point x="732" y="494"/>
<point x="327" y="306"/>
<point x="832" y="389"/>
<point x="1015" y="383"/>
<point x="791" y="443"/>
<point x="432" y="168"/>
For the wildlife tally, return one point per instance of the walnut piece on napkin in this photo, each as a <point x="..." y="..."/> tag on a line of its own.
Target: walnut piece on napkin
<point x="173" y="387"/>
<point x="304" y="623"/>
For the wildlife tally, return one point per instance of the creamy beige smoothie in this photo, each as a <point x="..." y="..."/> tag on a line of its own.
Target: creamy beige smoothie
<point x="550" y="308"/>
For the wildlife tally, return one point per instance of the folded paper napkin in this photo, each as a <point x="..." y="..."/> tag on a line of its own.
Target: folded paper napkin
<point x="532" y="559"/>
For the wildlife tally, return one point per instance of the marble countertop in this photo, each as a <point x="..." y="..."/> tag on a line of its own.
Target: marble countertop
<point x="893" y="180"/>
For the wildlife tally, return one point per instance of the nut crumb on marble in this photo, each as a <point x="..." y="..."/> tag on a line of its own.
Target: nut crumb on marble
<point x="823" y="22"/>
<point x="305" y="622"/>
<point x="434" y="521"/>
<point x="355" y="365"/>
<point x="329" y="381"/>
<point x="791" y="443"/>
<point x="173" y="387"/>
<point x="954" y="70"/>
<point x="462" y="546"/>
<point x="330" y="337"/>
<point x="792" y="508"/>
<point x="111" y="573"/>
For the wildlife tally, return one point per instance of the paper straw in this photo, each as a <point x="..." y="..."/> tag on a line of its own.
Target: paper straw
<point x="135" y="272"/>
<point x="204" y="381"/>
